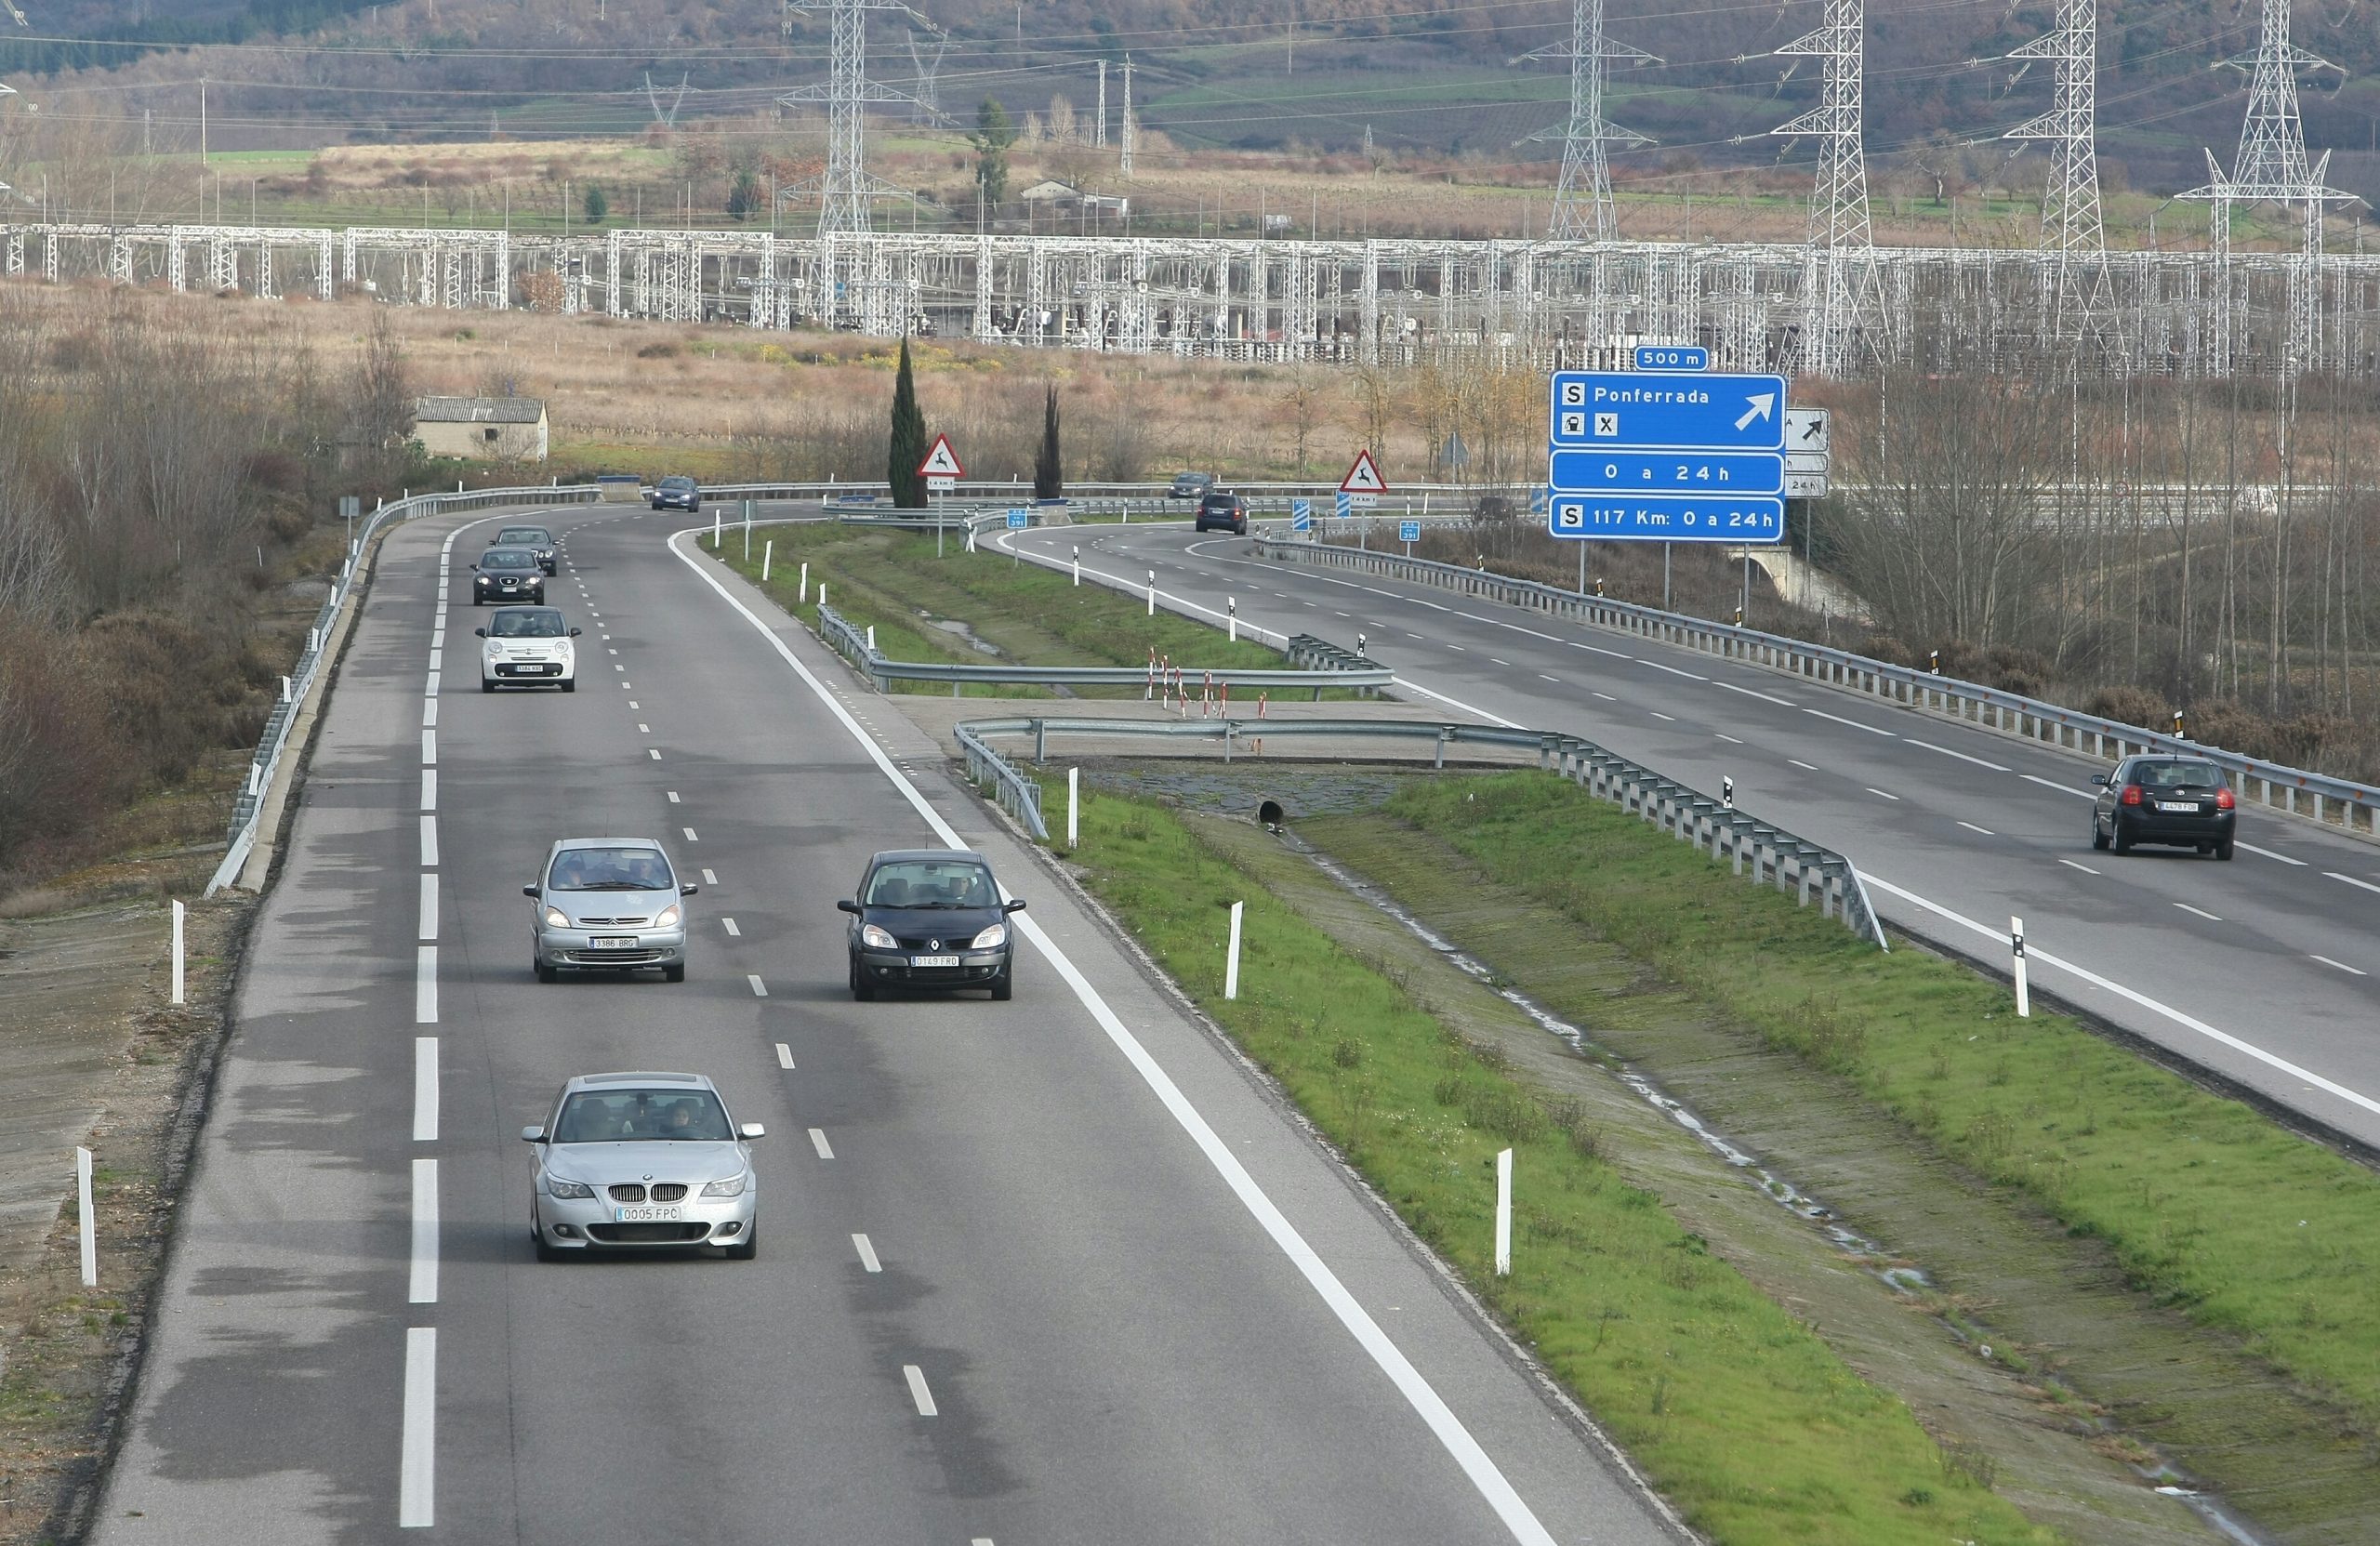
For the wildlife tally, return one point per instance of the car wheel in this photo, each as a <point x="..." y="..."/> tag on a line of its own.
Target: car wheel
<point x="2124" y="838"/>
<point x="570" y="685"/>
<point x="748" y="1247"/>
<point x="2223" y="850"/>
<point x="861" y="990"/>
<point x="487" y="685"/>
<point x="2099" y="838"/>
<point x="674" y="973"/>
<point x="546" y="973"/>
<point x="1004" y="986"/>
<point x="537" y="1236"/>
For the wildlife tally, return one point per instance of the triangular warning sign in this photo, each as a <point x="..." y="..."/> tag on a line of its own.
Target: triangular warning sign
<point x="1364" y="477"/>
<point x="940" y="462"/>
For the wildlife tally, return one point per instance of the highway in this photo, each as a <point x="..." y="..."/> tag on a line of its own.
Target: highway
<point x="2265" y="969"/>
<point x="1054" y="1271"/>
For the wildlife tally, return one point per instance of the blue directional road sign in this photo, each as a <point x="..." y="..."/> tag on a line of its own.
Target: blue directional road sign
<point x="1671" y="471"/>
<point x="1667" y="413"/>
<point x="1537" y="498"/>
<point x="1300" y="515"/>
<point x="1669" y="518"/>
<point x="1672" y="357"/>
<point x="1341" y="503"/>
<point x="1409" y="530"/>
<point x="1017" y="519"/>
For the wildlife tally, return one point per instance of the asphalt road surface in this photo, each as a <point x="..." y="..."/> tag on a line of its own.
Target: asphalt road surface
<point x="2265" y="969"/>
<point x="1058" y="1269"/>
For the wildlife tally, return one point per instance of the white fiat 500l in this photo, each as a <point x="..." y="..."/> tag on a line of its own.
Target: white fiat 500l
<point x="643" y="1162"/>
<point x="528" y="646"/>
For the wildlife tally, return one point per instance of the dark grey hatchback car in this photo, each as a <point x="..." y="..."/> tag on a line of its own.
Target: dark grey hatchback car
<point x="2180" y="801"/>
<point x="931" y="918"/>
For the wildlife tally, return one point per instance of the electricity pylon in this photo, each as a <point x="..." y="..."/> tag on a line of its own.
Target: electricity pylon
<point x="2071" y="227"/>
<point x="1841" y="280"/>
<point x="846" y="187"/>
<point x="1583" y="207"/>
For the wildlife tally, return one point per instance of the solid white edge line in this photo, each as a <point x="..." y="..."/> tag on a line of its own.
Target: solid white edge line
<point x="2053" y="784"/>
<point x="422" y="1287"/>
<point x="429" y="789"/>
<point x="818" y="1142"/>
<point x="1483" y="1472"/>
<point x="784" y="1055"/>
<point x="2268" y="853"/>
<point x="1984" y="832"/>
<point x="1959" y="755"/>
<point x="2352" y="880"/>
<point x="2342" y="966"/>
<point x="1887" y="734"/>
<point x="1806" y="767"/>
<point x="759" y="988"/>
<point x="2199" y="911"/>
<point x="2085" y="869"/>
<point x="2033" y="952"/>
<point x="917" y="1391"/>
<point x="417" y="1452"/>
<point x="867" y="1253"/>
<point x="429" y="842"/>
<point x="424" y="985"/>
<point x="1781" y="703"/>
<point x="424" y="1090"/>
<point x="428" y="930"/>
<point x="1672" y="670"/>
<point x="1725" y="737"/>
<point x="1873" y="790"/>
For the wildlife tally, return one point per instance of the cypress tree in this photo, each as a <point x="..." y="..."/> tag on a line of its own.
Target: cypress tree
<point x="1049" y="480"/>
<point x="908" y="444"/>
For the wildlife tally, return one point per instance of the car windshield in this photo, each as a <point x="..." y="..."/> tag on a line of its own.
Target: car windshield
<point x="1221" y="501"/>
<point x="526" y="625"/>
<point x="505" y="558"/>
<point x="932" y="883"/>
<point x="610" y="869"/>
<point x="643" y="1116"/>
<point x="677" y="483"/>
<point x="2176" y="775"/>
<point x="525" y="537"/>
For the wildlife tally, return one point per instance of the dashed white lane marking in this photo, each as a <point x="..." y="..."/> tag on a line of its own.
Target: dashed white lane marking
<point x="428" y="930"/>
<point x="1582" y="644"/>
<point x="1854" y="725"/>
<point x="417" y="1454"/>
<point x="1412" y="635"/>
<point x="1782" y="702"/>
<point x="2269" y="854"/>
<point x="424" y="985"/>
<point x="1493" y="661"/>
<point x="430" y="749"/>
<point x="673" y="794"/>
<point x="709" y="880"/>
<point x="654" y="752"/>
<point x="784" y="1055"/>
<point x="867" y="1253"/>
<point x="818" y="1142"/>
<point x="1725" y="737"/>
<point x="2352" y="880"/>
<point x="429" y="686"/>
<point x="429" y="789"/>
<point x="610" y="651"/>
<point x="1805" y="767"/>
<point x="729" y="924"/>
<point x="1542" y="677"/>
<point x="1605" y="696"/>
<point x="618" y="667"/>
<point x="623" y="686"/>
<point x="2201" y="912"/>
<point x="2352" y="971"/>
<point x="428" y="713"/>
<point x="429" y="842"/>
<point x="917" y="1391"/>
<point x="690" y="834"/>
<point x="1959" y="755"/>
<point x="437" y="654"/>
<point x="2052" y="783"/>
<point x="633" y="703"/>
<point x="1873" y="790"/>
<point x="424" y="1090"/>
<point x="1658" y="714"/>
<point x="1690" y="676"/>
<point x="1458" y="649"/>
<point x="759" y="988"/>
<point x="1983" y="831"/>
<point x="422" y="1285"/>
<point x="2085" y="869"/>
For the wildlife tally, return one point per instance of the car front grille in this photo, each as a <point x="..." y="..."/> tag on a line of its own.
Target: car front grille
<point x="648" y="1234"/>
<point x="630" y="1192"/>
<point x="611" y="923"/>
<point x="669" y="1191"/>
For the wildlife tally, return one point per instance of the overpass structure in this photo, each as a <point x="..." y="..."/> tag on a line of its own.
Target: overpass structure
<point x="1528" y="304"/>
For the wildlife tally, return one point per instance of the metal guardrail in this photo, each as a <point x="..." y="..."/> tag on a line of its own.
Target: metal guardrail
<point x="248" y="808"/>
<point x="1763" y="852"/>
<point x="852" y="643"/>
<point x="2294" y="791"/>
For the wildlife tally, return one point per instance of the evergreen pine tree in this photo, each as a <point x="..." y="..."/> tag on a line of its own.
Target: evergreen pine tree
<point x="908" y="444"/>
<point x="1049" y="480"/>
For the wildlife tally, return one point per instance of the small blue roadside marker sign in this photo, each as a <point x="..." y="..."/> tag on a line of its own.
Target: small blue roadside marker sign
<point x="1341" y="503"/>
<point x="1409" y="530"/>
<point x="1300" y="515"/>
<point x="1017" y="519"/>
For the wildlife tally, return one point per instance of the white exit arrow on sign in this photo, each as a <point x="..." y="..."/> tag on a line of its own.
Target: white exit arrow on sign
<point x="1762" y="405"/>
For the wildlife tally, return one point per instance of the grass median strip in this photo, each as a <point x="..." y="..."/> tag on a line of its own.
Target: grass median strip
<point x="2209" y="1207"/>
<point x="1744" y="1416"/>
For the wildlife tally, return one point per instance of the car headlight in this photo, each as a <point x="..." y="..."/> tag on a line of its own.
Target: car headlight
<point x="668" y="918"/>
<point x="558" y="1187"/>
<point x="555" y="919"/>
<point x="732" y="1188"/>
<point x="996" y="935"/>
<point x="871" y="935"/>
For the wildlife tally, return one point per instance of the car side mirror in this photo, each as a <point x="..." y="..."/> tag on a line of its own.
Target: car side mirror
<point x="533" y="1135"/>
<point x="475" y="569"/>
<point x="846" y="906"/>
<point x="753" y="1130"/>
<point x="481" y="633"/>
<point x="576" y="632"/>
<point x="688" y="891"/>
<point x="529" y="891"/>
<point x="1014" y="904"/>
<point x="2099" y="778"/>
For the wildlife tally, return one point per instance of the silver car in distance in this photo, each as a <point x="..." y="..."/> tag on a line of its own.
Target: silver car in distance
<point x="607" y="905"/>
<point x="643" y="1162"/>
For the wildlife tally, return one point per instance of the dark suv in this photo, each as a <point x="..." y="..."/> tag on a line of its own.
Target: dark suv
<point x="2180" y="801"/>
<point x="1223" y="509"/>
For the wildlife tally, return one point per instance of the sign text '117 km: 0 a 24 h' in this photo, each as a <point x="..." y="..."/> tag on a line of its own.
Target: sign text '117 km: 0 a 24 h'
<point x="1655" y="456"/>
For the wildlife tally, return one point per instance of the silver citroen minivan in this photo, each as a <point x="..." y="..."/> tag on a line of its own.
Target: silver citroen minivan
<point x="607" y="905"/>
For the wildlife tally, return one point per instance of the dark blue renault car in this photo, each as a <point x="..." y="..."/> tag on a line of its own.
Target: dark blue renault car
<point x="933" y="918"/>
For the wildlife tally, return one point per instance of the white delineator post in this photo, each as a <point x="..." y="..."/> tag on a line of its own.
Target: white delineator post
<point x="88" y="1224"/>
<point x="871" y="638"/>
<point x="2017" y="945"/>
<point x="768" y="551"/>
<point x="1230" y="618"/>
<point x="822" y="595"/>
<point x="178" y="911"/>
<point x="1504" y="1213"/>
<point x="1231" y="956"/>
<point x="714" y="531"/>
<point x="1078" y="565"/>
<point x="801" y="592"/>
<point x="1152" y="592"/>
<point x="1073" y="807"/>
